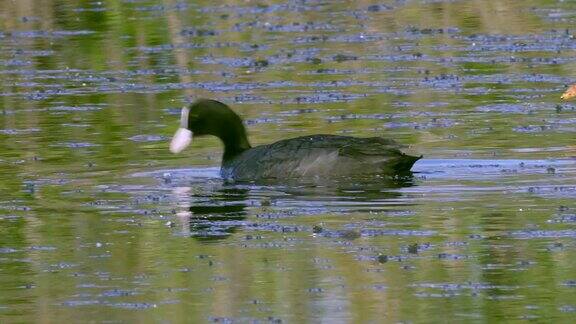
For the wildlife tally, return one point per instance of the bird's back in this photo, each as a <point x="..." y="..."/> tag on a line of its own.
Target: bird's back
<point x="319" y="156"/>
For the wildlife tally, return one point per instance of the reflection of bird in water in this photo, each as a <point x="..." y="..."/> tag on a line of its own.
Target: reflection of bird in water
<point x="314" y="156"/>
<point x="217" y="214"/>
<point x="569" y="93"/>
<point x="218" y="217"/>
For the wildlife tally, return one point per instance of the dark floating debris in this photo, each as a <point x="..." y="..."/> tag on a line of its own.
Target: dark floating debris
<point x="198" y="32"/>
<point x="413" y="248"/>
<point x="379" y="7"/>
<point x="343" y="57"/>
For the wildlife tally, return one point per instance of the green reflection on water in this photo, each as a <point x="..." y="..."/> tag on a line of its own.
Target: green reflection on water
<point x="90" y="94"/>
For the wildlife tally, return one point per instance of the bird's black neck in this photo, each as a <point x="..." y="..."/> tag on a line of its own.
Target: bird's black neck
<point x="235" y="141"/>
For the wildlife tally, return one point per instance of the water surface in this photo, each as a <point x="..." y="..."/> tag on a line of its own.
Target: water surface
<point x="100" y="223"/>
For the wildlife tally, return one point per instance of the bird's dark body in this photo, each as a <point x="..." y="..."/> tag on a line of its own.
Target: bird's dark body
<point x="319" y="156"/>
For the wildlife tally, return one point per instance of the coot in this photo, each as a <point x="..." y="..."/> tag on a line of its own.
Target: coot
<point x="312" y="156"/>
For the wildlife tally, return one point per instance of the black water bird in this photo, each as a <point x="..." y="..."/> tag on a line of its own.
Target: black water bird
<point x="306" y="157"/>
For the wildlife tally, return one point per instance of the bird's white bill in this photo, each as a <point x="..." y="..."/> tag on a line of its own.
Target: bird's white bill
<point x="181" y="140"/>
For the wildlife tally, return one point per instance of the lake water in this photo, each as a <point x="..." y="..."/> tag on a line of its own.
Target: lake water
<point x="99" y="222"/>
